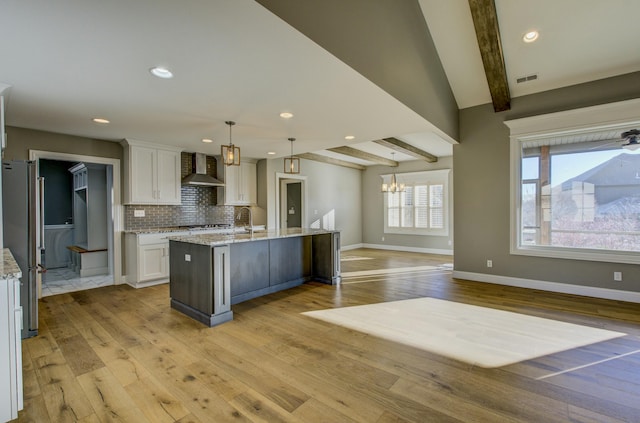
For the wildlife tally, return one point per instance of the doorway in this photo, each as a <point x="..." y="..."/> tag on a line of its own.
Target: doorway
<point x="292" y="197"/>
<point x="291" y="210"/>
<point x="59" y="228"/>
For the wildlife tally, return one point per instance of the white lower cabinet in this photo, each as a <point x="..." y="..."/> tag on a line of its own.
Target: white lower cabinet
<point x="147" y="258"/>
<point x="153" y="261"/>
<point x="11" y="395"/>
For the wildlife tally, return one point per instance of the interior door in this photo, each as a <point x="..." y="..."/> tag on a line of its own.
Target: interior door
<point x="291" y="207"/>
<point x="294" y="205"/>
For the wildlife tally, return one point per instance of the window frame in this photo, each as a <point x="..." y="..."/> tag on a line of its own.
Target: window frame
<point x="428" y="178"/>
<point x="572" y="123"/>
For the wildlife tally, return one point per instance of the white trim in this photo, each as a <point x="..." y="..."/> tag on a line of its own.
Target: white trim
<point x="419" y="177"/>
<point x="611" y="116"/>
<point x="604" y="116"/>
<point x="117" y="209"/>
<point x="429" y="178"/>
<point x="409" y="249"/>
<point x="352" y="247"/>
<point x="280" y="176"/>
<point x="607" y="256"/>
<point x="587" y="291"/>
<point x="147" y="284"/>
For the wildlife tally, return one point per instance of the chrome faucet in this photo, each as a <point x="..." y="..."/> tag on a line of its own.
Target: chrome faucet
<point x="248" y="209"/>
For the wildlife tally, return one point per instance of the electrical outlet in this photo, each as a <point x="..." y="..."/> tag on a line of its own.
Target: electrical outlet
<point x="187" y="257"/>
<point x="382" y="238"/>
<point x="489" y="263"/>
<point x="617" y="276"/>
<point x="138" y="213"/>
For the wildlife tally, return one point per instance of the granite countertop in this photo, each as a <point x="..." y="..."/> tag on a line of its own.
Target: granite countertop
<point x="157" y="230"/>
<point x="186" y="229"/>
<point x="221" y="239"/>
<point x="9" y="269"/>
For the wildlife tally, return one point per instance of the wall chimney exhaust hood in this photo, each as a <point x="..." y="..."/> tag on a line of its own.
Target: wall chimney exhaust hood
<point x="199" y="176"/>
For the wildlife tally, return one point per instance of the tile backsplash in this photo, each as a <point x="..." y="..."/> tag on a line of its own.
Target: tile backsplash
<point x="198" y="205"/>
<point x="183" y="215"/>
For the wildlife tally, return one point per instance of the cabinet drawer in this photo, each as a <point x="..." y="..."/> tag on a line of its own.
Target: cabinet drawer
<point x="146" y="239"/>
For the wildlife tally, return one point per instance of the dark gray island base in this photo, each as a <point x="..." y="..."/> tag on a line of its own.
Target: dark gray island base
<point x="209" y="273"/>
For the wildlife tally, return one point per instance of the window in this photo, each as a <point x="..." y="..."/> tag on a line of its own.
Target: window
<point x="421" y="208"/>
<point x="576" y="190"/>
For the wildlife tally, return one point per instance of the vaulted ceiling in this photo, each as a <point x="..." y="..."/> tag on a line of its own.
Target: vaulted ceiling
<point x="66" y="62"/>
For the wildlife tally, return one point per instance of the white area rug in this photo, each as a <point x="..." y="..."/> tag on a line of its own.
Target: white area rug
<point x="477" y="335"/>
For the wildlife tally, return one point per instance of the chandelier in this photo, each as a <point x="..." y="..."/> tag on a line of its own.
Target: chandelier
<point x="394" y="186"/>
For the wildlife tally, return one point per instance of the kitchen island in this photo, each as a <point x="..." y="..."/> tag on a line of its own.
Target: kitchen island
<point x="210" y="272"/>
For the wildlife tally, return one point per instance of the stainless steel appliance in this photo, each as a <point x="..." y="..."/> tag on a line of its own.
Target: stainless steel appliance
<point x="19" y="190"/>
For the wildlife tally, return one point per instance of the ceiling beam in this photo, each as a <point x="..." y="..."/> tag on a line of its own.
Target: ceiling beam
<point x="403" y="147"/>
<point x="485" y="21"/>
<point x="330" y="160"/>
<point x="363" y="155"/>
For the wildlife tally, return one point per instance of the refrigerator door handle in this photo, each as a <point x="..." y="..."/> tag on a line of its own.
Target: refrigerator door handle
<point x="41" y="194"/>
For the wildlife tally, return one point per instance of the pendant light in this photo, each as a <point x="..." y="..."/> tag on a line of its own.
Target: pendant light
<point x="230" y="153"/>
<point x="394" y="186"/>
<point x="291" y="164"/>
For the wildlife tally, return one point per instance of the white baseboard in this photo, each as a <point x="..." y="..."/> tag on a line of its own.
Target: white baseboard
<point x="147" y="283"/>
<point x="587" y="291"/>
<point x="351" y="247"/>
<point x="408" y="249"/>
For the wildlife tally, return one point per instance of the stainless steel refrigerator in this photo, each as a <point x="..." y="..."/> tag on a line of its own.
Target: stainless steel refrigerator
<point x="19" y="191"/>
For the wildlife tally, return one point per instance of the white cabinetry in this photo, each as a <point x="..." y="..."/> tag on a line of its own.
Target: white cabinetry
<point x="89" y="252"/>
<point x="11" y="391"/>
<point x="240" y="184"/>
<point x="147" y="258"/>
<point x="152" y="173"/>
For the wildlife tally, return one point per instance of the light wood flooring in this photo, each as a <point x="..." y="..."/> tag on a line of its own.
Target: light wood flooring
<point x="120" y="354"/>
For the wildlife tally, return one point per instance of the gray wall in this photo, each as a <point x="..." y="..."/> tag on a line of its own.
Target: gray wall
<point x="372" y="208"/>
<point x="328" y="188"/>
<point x="20" y="141"/>
<point x="58" y="184"/>
<point x="481" y="195"/>
<point x="386" y="41"/>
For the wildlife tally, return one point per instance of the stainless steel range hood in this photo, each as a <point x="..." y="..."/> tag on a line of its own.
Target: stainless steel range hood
<point x="199" y="176"/>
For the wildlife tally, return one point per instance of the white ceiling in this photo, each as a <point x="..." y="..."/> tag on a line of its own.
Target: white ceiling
<point x="71" y="60"/>
<point x="580" y="41"/>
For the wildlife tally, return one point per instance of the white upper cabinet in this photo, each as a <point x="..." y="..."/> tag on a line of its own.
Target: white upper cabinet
<point x="152" y="173"/>
<point x="168" y="177"/>
<point x="240" y="184"/>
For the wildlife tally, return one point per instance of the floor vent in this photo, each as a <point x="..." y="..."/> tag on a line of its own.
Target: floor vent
<point x="527" y="78"/>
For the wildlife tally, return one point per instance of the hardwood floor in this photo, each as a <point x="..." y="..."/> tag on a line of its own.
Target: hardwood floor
<point x="121" y="354"/>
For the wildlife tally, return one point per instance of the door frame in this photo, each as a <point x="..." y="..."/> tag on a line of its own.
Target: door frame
<point x="117" y="211"/>
<point x="281" y="180"/>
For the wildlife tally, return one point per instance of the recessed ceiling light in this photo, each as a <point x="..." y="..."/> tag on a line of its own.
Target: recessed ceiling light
<point x="530" y="36"/>
<point x="161" y="72"/>
<point x="286" y="115"/>
<point x="207" y="140"/>
<point x="100" y="120"/>
<point x="271" y="153"/>
<point x="349" y="137"/>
